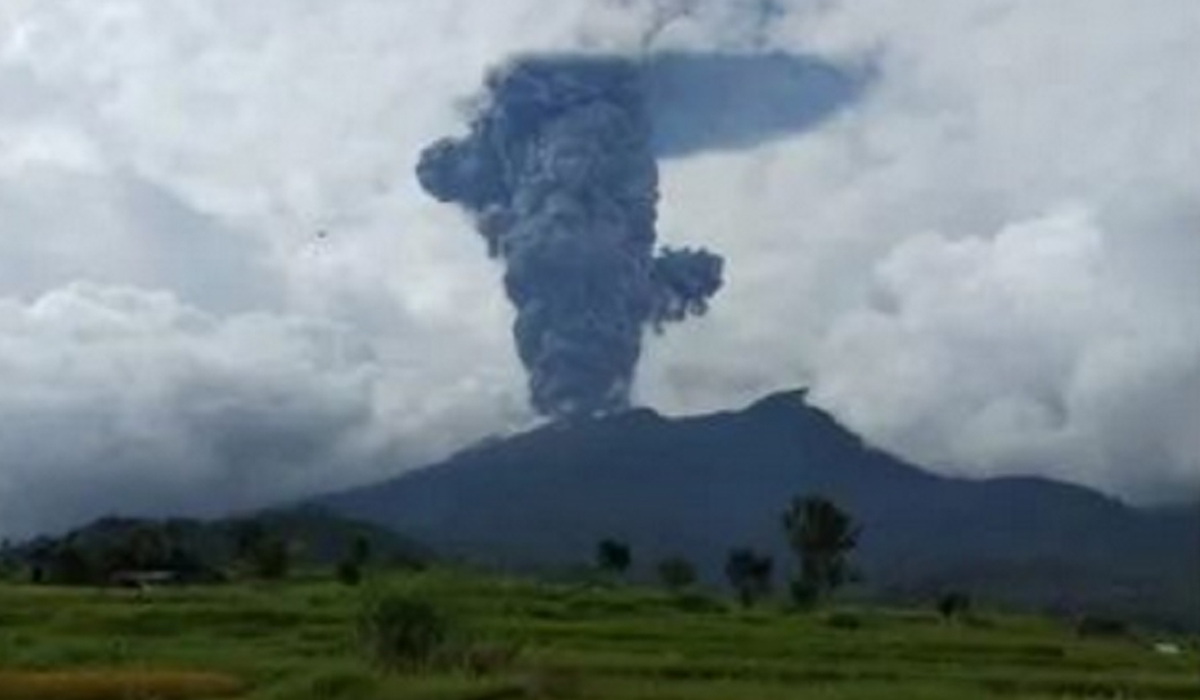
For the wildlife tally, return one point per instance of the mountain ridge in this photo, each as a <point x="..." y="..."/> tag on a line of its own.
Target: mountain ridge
<point x="697" y="486"/>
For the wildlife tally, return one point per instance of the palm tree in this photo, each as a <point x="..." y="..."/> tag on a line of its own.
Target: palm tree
<point x="821" y="535"/>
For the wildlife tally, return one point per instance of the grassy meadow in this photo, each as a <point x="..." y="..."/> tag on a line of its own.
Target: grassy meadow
<point x="298" y="639"/>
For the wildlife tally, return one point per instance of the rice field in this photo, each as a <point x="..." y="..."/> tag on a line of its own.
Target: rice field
<point x="298" y="640"/>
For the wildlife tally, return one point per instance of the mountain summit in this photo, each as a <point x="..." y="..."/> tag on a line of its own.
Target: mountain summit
<point x="699" y="486"/>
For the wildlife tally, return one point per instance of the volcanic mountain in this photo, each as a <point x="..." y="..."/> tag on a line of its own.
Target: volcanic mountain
<point x="699" y="486"/>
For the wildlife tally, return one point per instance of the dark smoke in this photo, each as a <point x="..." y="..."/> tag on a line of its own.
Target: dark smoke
<point x="559" y="172"/>
<point x="723" y="101"/>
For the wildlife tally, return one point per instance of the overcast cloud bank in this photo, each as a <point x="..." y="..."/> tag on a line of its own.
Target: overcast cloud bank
<point x="985" y="262"/>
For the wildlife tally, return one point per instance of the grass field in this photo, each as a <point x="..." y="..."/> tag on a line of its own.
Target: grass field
<point x="297" y="640"/>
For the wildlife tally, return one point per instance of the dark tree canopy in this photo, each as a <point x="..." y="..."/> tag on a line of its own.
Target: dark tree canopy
<point x="821" y="535"/>
<point x="614" y="556"/>
<point x="676" y="573"/>
<point x="750" y="574"/>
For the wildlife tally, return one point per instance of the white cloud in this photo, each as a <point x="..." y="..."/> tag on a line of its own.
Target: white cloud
<point x="1018" y="351"/>
<point x="987" y="262"/>
<point x="118" y="399"/>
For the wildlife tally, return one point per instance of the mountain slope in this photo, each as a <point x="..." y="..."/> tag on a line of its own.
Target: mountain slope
<point x="700" y="486"/>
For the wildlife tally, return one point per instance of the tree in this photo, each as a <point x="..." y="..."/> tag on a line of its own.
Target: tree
<point x="360" y="550"/>
<point x="69" y="565"/>
<point x="750" y="574"/>
<point x="676" y="573"/>
<point x="41" y="559"/>
<point x="142" y="547"/>
<point x="350" y="568"/>
<point x="821" y="535"/>
<point x="613" y="556"/>
<point x="349" y="573"/>
<point x="266" y="554"/>
<point x="188" y="563"/>
<point x="148" y="547"/>
<point x="248" y="538"/>
<point x="9" y="559"/>
<point x="272" y="559"/>
<point x="953" y="605"/>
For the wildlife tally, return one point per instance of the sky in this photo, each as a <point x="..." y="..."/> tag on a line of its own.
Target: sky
<point x="221" y="286"/>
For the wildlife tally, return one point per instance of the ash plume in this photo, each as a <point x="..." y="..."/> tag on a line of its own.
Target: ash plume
<point x="559" y="173"/>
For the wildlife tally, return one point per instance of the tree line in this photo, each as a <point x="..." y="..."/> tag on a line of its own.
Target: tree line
<point x="129" y="552"/>
<point x="819" y="534"/>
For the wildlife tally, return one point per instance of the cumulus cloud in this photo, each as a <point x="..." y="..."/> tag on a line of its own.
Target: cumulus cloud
<point x="207" y="180"/>
<point x="1017" y="351"/>
<point x="170" y="409"/>
<point x="988" y="264"/>
<point x="164" y="404"/>
<point x="987" y="261"/>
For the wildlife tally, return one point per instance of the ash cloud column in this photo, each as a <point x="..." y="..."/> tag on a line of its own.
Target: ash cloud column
<point x="559" y="173"/>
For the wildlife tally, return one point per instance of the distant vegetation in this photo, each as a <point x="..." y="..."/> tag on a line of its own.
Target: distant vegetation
<point x="267" y="546"/>
<point x="676" y="573"/>
<point x="310" y="606"/>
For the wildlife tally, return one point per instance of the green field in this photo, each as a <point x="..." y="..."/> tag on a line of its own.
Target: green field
<point x="298" y="640"/>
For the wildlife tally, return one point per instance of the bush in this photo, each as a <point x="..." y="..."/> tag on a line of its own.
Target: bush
<point x="349" y="572"/>
<point x="976" y="621"/>
<point x="750" y="574"/>
<point x="693" y="602"/>
<point x="613" y="556"/>
<point x="398" y="632"/>
<point x="553" y="682"/>
<point x="342" y="684"/>
<point x="676" y="573"/>
<point x="843" y="621"/>
<point x="272" y="559"/>
<point x="805" y="595"/>
<point x="484" y="659"/>
<point x="1093" y="626"/>
<point x="953" y="605"/>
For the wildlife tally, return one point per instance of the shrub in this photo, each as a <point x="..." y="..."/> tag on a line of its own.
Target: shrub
<point x="558" y="682"/>
<point x="953" y="605"/>
<point x="693" y="602"/>
<point x="1094" y="626"/>
<point x="843" y="621"/>
<point x="750" y="574"/>
<point x="483" y="659"/>
<point x="805" y="595"/>
<point x="342" y="684"/>
<point x="360" y="550"/>
<point x="977" y="621"/>
<point x="349" y="572"/>
<point x="613" y="556"/>
<point x="399" y="632"/>
<point x="272" y="559"/>
<point x="676" y="573"/>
